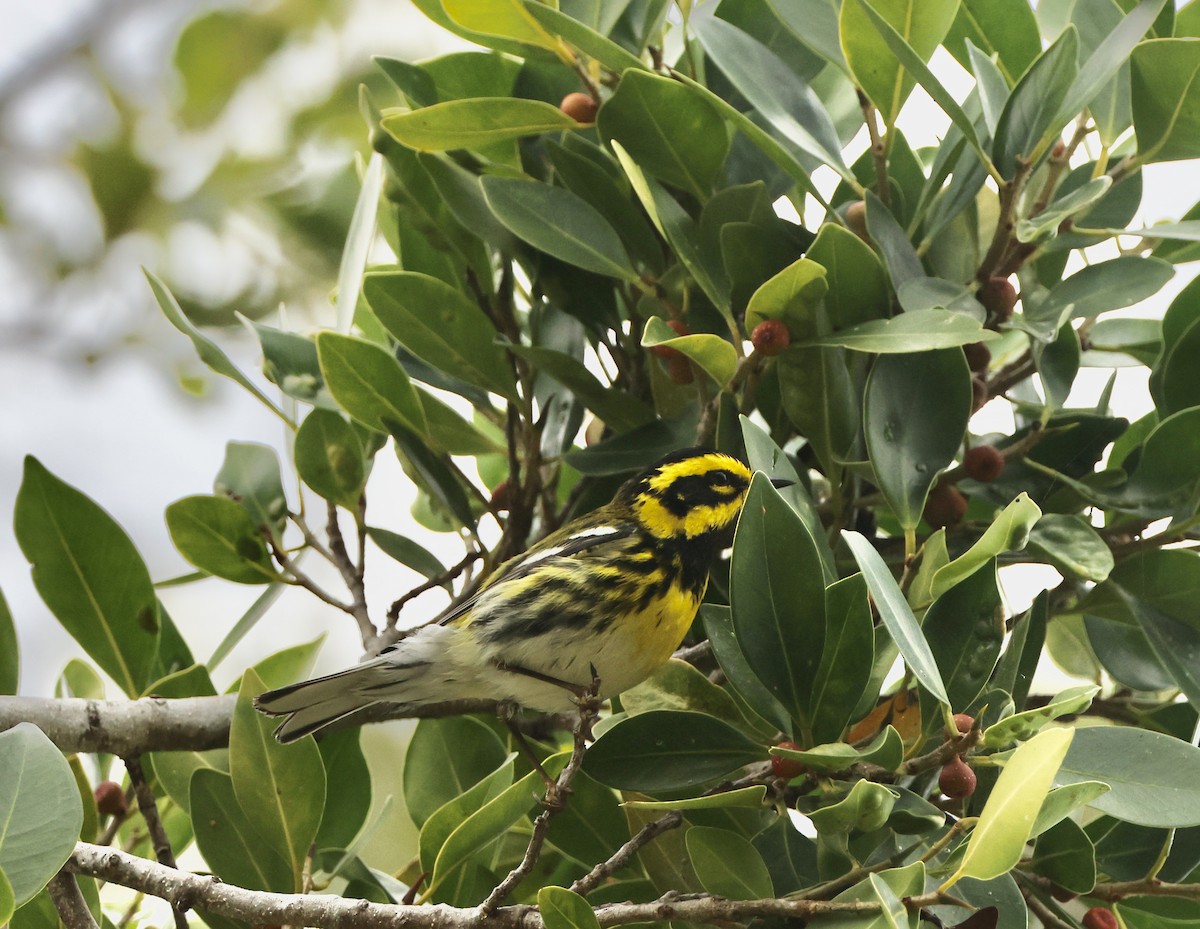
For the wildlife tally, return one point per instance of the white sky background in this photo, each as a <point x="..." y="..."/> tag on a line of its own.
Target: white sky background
<point x="123" y="431"/>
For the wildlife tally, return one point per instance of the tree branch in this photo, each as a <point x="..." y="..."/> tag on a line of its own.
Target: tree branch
<point x="623" y="855"/>
<point x="154" y="824"/>
<point x="68" y="900"/>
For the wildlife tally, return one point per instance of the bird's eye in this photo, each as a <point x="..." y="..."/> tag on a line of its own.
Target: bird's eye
<point x="721" y="477"/>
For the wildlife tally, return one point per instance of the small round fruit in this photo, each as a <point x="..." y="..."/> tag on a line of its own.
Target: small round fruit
<point x="979" y="356"/>
<point x="787" y="768"/>
<point x="1100" y="917"/>
<point x="957" y="780"/>
<point x="998" y="297"/>
<point x="501" y="498"/>
<point x="580" y="107"/>
<point x="665" y="351"/>
<point x="679" y="369"/>
<point x="964" y="722"/>
<point x="110" y="799"/>
<point x="945" y="506"/>
<point x="856" y="220"/>
<point x="770" y="337"/>
<point x="983" y="463"/>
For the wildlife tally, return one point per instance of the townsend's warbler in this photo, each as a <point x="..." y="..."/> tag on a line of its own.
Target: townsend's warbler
<point x="614" y="591"/>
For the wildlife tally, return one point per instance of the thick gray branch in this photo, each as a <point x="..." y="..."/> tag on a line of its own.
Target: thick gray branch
<point x="151" y="724"/>
<point x="187" y="890"/>
<point x="68" y="900"/>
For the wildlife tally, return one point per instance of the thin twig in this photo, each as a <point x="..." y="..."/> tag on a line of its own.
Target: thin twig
<point x="878" y="149"/>
<point x="393" y="613"/>
<point x="154" y="825"/>
<point x="299" y="579"/>
<point x="68" y="900"/>
<point x="623" y="855"/>
<point x="352" y="574"/>
<point x="555" y="801"/>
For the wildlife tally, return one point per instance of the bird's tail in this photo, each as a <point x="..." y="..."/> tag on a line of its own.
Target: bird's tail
<point x="314" y="704"/>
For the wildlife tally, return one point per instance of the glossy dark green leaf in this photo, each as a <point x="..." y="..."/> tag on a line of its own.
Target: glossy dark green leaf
<point x="434" y="473"/>
<point x="290" y="362"/>
<point x="776" y="592"/>
<point x="348" y="797"/>
<point x="1178" y="378"/>
<point x="1177" y="645"/>
<point x="411" y="80"/>
<point x="473" y="123"/>
<point x="718" y="626"/>
<point x="921" y="23"/>
<point x="439" y="324"/>
<point x="847" y="655"/>
<point x="368" y="383"/>
<point x="791" y="857"/>
<point x="673" y="133"/>
<point x="1168" y="470"/>
<point x="1031" y="115"/>
<point x="1098" y="288"/>
<point x="329" y="457"/>
<point x="449" y="433"/>
<point x="858" y="289"/>
<point x="815" y="23"/>
<point x="230" y="844"/>
<point x="404" y="550"/>
<point x="634" y="450"/>
<point x="1166" y="103"/>
<point x="822" y="400"/>
<point x="965" y="629"/>
<point x="616" y="408"/>
<point x="462" y="193"/>
<point x="886" y="750"/>
<point x="10" y="661"/>
<point x="667" y="750"/>
<point x="728" y="865"/>
<point x="250" y="475"/>
<point x="280" y="788"/>
<point x="559" y="223"/>
<point x="1126" y="654"/>
<point x="89" y="574"/>
<point x="1155" y="779"/>
<point x="1072" y="545"/>
<point x="788" y="104"/>
<point x="915" y="413"/>
<point x="896" y="614"/>
<point x="445" y="757"/>
<point x="899" y="256"/>
<point x="217" y="535"/>
<point x="40" y="810"/>
<point x="1010" y="33"/>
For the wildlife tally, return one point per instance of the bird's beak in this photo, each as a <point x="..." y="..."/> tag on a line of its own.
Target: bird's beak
<point x="780" y="482"/>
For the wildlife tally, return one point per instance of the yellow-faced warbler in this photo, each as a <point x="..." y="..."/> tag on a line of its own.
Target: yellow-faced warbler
<point x="611" y="593"/>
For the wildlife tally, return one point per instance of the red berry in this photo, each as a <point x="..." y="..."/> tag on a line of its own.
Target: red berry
<point x="501" y="498"/>
<point x="580" y="107"/>
<point x="983" y="463"/>
<point x="998" y="297"/>
<point x="945" y="506"/>
<point x="665" y="351"/>
<point x="770" y="337"/>
<point x="787" y="768"/>
<point x="679" y="369"/>
<point x="979" y="356"/>
<point x="964" y="722"/>
<point x="957" y="780"/>
<point x="1099" y="917"/>
<point x="110" y="799"/>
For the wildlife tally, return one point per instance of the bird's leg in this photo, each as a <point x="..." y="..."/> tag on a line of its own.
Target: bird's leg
<point x="507" y="711"/>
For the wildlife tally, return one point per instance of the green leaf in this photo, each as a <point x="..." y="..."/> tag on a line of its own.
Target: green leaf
<point x="1058" y="365"/>
<point x="1166" y="99"/>
<point x="965" y="630"/>
<point x="1155" y="778"/>
<point x="794" y="295"/>
<point x="815" y="23"/>
<point x="359" y="237"/>
<point x="1008" y="532"/>
<point x="1008" y="816"/>
<point x="857" y="283"/>
<point x="1071" y="544"/>
<point x="1098" y="288"/>
<point x="174" y="770"/>
<point x="559" y="223"/>
<point x="901" y="259"/>
<point x="712" y="353"/>
<point x="1010" y="33"/>
<point x="348" y="801"/>
<point x="677" y="685"/>
<point x="885" y="750"/>
<point x="290" y="363"/>
<point x="437" y="323"/>
<point x="434" y="473"/>
<point x="250" y="475"/>
<point x="447" y="817"/>
<point x="865" y="807"/>
<point x="91" y="577"/>
<point x="921" y="23"/>
<point x="747" y="797"/>
<point x="823" y="400"/>
<point x="329" y="458"/>
<point x="404" y="550"/>
<point x="473" y="123"/>
<point x="667" y="750"/>
<point x="505" y="18"/>
<point x="368" y="382"/>
<point x="781" y="98"/>
<point x="674" y="134"/>
<point x="280" y="788"/>
<point x="209" y="82"/>
<point x="615" y="407"/>
<point x="718" y="626"/>
<point x="1062" y="801"/>
<point x="229" y="842"/>
<point x="1065" y="855"/>
<point x="914" y="415"/>
<point x="777" y="596"/>
<point x="587" y="40"/>
<point x="562" y="909"/>
<point x="449" y="433"/>
<point x="727" y="864"/>
<point x="8" y="901"/>
<point x="1022" y="726"/>
<point x="1031" y="116"/>
<point x="445" y="757"/>
<point x="208" y="351"/>
<point x="40" y="811"/>
<point x="285" y="666"/>
<point x="915" y="331"/>
<point x="914" y="63"/>
<point x="10" y="660"/>
<point x="846" y="658"/>
<point x="886" y="889"/>
<point x="896" y="614"/>
<point x="1049" y="219"/>
<point x="1177" y="645"/>
<point x="217" y="535"/>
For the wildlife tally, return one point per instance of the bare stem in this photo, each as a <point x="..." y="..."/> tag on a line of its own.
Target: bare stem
<point x="68" y="900"/>
<point x="623" y="855"/>
<point x="154" y="825"/>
